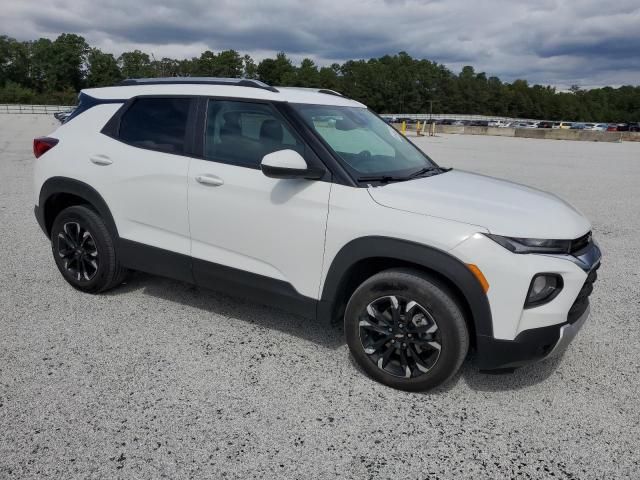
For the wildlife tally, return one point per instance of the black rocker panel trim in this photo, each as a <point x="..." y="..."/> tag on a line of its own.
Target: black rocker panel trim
<point x="258" y="288"/>
<point x="442" y="263"/>
<point x="221" y="278"/>
<point x="64" y="185"/>
<point x="157" y="261"/>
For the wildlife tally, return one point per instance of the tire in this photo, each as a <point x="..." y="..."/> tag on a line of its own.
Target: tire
<point x="84" y="250"/>
<point x="414" y="352"/>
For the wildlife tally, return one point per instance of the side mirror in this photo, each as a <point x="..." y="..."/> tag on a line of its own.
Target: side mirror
<point x="288" y="164"/>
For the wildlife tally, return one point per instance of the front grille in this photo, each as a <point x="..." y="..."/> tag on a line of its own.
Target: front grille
<point x="580" y="243"/>
<point x="582" y="301"/>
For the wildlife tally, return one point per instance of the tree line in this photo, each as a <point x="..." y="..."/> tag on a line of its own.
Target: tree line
<point x="48" y="71"/>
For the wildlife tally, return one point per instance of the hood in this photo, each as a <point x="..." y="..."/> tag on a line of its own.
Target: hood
<point x="502" y="207"/>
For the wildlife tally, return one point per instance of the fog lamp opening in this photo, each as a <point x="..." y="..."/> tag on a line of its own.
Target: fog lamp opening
<point x="544" y="287"/>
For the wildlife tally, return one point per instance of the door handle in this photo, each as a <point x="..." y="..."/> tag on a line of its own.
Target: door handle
<point x="210" y="180"/>
<point x="101" y="160"/>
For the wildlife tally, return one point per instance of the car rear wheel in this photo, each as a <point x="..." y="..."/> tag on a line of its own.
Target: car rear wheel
<point x="84" y="250"/>
<point x="406" y="330"/>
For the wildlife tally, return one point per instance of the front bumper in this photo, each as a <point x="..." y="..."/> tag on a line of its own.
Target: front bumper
<point x="568" y="332"/>
<point x="529" y="346"/>
<point x="521" y="336"/>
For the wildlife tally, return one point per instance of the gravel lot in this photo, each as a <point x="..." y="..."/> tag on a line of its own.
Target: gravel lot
<point x="161" y="379"/>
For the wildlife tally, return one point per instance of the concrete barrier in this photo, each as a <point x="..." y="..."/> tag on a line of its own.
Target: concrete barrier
<point x="562" y="134"/>
<point x="450" y="129"/>
<point x="630" y="136"/>
<point x="540" y="133"/>
<point x="494" y="131"/>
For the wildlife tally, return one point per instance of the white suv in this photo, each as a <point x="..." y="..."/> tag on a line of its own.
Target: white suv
<point x="306" y="200"/>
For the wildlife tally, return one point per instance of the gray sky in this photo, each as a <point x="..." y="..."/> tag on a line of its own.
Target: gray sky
<point x="558" y="42"/>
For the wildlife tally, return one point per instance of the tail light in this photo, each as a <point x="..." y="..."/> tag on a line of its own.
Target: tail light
<point x="41" y="145"/>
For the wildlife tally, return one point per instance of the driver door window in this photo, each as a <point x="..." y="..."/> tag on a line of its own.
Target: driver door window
<point x="242" y="133"/>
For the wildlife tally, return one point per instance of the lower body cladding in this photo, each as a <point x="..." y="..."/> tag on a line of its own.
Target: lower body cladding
<point x="524" y="335"/>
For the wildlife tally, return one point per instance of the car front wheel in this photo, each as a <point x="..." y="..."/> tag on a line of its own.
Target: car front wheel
<point x="406" y="330"/>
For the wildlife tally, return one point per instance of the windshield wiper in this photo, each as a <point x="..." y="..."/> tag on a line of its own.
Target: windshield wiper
<point x="381" y="178"/>
<point x="392" y="178"/>
<point x="432" y="170"/>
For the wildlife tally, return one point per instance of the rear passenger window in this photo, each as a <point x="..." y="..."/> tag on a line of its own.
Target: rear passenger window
<point x="157" y="124"/>
<point x="241" y="133"/>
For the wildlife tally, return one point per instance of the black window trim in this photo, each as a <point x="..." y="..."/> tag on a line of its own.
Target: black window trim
<point x="319" y="155"/>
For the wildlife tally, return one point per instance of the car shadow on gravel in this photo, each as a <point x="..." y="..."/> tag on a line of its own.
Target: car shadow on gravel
<point x="520" y="378"/>
<point x="330" y="337"/>
<point x="231" y="307"/>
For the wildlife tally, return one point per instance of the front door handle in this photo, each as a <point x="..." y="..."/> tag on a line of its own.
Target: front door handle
<point x="210" y="180"/>
<point x="100" y="160"/>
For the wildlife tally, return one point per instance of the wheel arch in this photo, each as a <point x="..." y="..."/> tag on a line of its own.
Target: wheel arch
<point x="58" y="193"/>
<point x="363" y="257"/>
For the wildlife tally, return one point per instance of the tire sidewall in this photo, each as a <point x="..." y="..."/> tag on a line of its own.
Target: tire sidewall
<point x="446" y="313"/>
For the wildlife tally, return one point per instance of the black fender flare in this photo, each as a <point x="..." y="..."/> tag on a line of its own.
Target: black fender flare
<point x="61" y="185"/>
<point x="430" y="258"/>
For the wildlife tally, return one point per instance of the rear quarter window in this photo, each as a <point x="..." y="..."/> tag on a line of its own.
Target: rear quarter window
<point x="156" y="124"/>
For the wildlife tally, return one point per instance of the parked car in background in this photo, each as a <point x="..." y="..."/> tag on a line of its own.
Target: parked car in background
<point x="622" y="127"/>
<point x="524" y="124"/>
<point x="601" y="127"/>
<point x="578" y="126"/>
<point x="545" y="125"/>
<point x="566" y="125"/>
<point x="479" y="123"/>
<point x="556" y="125"/>
<point x="589" y="126"/>
<point x="634" y="127"/>
<point x="613" y="127"/>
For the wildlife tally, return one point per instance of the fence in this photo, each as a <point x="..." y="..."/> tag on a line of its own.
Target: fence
<point x="453" y="116"/>
<point x="34" y="109"/>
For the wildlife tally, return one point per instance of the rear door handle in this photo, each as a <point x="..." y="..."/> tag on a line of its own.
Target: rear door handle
<point x="210" y="180"/>
<point x="100" y="160"/>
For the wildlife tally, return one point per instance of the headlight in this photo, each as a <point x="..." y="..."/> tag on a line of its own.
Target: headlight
<point x="531" y="245"/>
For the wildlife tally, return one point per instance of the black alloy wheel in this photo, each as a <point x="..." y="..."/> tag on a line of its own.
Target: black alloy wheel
<point x="78" y="251"/>
<point x="400" y="336"/>
<point x="84" y="250"/>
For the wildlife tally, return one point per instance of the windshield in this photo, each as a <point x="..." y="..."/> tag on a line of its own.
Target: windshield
<point x="365" y="142"/>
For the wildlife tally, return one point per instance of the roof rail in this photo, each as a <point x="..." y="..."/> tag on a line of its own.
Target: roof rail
<point x="330" y="92"/>
<point x="326" y="91"/>
<point x="236" y="82"/>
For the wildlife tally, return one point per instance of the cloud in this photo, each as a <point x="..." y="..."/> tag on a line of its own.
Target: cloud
<point x="555" y="42"/>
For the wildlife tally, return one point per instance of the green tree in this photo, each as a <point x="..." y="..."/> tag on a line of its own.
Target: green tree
<point x="249" y="67"/>
<point x="53" y="71"/>
<point x="278" y="71"/>
<point x="307" y="74"/>
<point x="135" y="64"/>
<point x="66" y="66"/>
<point x="102" y="69"/>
